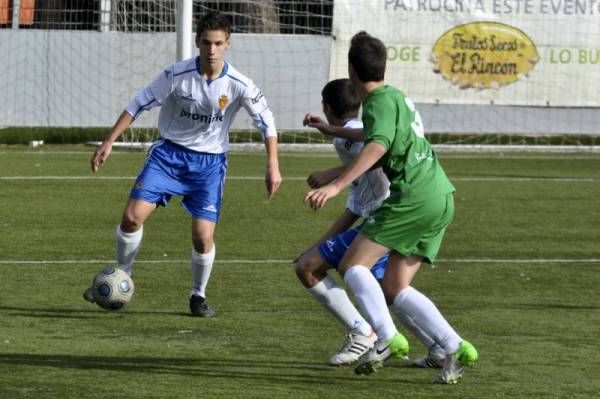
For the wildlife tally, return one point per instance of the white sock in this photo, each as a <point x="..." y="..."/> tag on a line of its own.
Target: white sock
<point x="201" y="268"/>
<point x="371" y="301"/>
<point x="426" y="316"/>
<point x="128" y="245"/>
<point x="411" y="326"/>
<point x="423" y="337"/>
<point x="335" y="299"/>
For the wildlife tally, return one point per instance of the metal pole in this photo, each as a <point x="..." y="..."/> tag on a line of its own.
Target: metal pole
<point x="16" y="12"/>
<point x="184" y="29"/>
<point x="105" y="9"/>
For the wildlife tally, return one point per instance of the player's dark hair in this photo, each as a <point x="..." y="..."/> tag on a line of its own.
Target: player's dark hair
<point x="213" y="21"/>
<point x="342" y="97"/>
<point x="367" y="55"/>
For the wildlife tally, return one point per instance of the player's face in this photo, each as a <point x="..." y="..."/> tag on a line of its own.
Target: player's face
<point x="212" y="45"/>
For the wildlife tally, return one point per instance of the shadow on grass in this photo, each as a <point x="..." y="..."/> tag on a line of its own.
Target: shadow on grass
<point x="91" y="312"/>
<point x="266" y="370"/>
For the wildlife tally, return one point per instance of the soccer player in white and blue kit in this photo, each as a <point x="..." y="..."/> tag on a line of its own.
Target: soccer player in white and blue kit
<point x="341" y="103"/>
<point x="199" y="98"/>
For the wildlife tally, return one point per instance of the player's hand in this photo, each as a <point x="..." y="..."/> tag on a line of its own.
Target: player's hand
<point x="320" y="178"/>
<point x="100" y="156"/>
<point x="272" y="181"/>
<point x="317" y="198"/>
<point x="313" y="120"/>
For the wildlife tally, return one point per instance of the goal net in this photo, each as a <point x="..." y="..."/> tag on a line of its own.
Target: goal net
<point x="480" y="71"/>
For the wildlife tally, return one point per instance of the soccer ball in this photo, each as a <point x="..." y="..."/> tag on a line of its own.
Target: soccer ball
<point x="112" y="288"/>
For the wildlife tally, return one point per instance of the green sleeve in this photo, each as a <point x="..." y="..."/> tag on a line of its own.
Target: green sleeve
<point x="379" y="119"/>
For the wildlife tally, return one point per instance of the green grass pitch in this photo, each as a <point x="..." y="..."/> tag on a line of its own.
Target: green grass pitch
<point x="518" y="276"/>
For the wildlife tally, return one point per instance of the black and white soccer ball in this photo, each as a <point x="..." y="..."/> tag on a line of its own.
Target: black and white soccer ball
<point x="112" y="288"/>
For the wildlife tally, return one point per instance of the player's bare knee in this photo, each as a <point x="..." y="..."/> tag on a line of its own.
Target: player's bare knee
<point x="130" y="223"/>
<point x="305" y="271"/>
<point x="301" y="269"/>
<point x="308" y="270"/>
<point x="342" y="269"/>
<point x="389" y="295"/>
<point x="203" y="242"/>
<point x="390" y="290"/>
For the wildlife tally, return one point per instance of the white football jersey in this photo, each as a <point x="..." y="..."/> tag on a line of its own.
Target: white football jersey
<point x="197" y="113"/>
<point x="369" y="190"/>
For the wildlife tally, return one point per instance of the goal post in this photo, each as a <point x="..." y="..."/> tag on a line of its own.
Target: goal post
<point x="184" y="29"/>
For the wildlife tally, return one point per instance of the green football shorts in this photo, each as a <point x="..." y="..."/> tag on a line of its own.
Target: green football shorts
<point x="411" y="228"/>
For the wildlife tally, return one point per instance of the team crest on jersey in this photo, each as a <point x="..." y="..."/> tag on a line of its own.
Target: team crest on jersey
<point x="138" y="184"/>
<point x="223" y="101"/>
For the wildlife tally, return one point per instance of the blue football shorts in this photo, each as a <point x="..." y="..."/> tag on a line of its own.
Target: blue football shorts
<point x="171" y="169"/>
<point x="333" y="251"/>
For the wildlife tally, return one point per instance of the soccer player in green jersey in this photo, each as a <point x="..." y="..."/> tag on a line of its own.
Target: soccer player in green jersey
<point x="409" y="225"/>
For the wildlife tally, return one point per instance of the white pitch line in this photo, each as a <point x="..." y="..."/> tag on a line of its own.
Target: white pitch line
<point x="489" y="260"/>
<point x="67" y="177"/>
<point x="296" y="178"/>
<point x="122" y="178"/>
<point x="499" y="155"/>
<point x="525" y="179"/>
<point x="289" y="261"/>
<point x="94" y="261"/>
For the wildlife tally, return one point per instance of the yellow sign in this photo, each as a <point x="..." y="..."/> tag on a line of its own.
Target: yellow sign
<point x="484" y="55"/>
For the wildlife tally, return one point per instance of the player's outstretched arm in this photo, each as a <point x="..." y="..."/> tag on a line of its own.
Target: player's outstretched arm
<point x="272" y="175"/>
<point x="369" y="155"/>
<point x="322" y="177"/>
<point x="102" y="152"/>
<point x="313" y="120"/>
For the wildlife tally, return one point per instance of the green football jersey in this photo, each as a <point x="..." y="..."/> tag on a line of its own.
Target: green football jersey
<point x="391" y="119"/>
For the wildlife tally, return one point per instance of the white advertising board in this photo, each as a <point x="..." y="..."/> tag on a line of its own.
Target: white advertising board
<point x="503" y="52"/>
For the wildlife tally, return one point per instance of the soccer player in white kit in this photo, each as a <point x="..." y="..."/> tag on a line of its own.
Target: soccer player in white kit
<point x="341" y="103"/>
<point x="199" y="98"/>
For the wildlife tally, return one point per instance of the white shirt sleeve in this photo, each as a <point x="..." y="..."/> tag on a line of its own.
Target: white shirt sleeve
<point x="152" y="95"/>
<point x="256" y="105"/>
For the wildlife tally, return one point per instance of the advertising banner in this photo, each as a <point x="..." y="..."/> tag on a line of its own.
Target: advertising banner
<point x="509" y="52"/>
